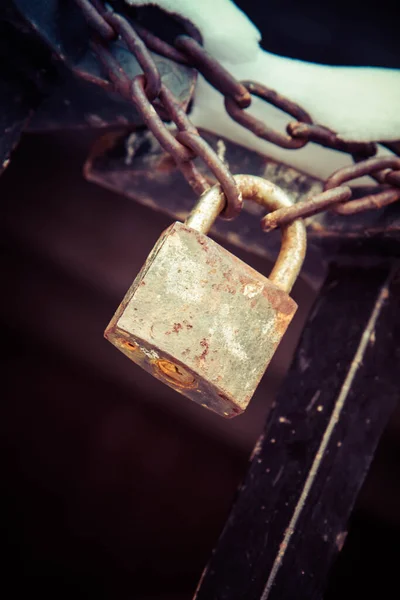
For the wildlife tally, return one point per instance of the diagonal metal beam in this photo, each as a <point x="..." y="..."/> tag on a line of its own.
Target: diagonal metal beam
<point x="290" y="518"/>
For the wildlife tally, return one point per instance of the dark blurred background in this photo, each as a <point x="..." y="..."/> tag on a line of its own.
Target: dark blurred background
<point x="113" y="485"/>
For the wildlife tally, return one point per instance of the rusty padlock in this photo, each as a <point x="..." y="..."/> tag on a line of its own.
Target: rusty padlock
<point x="201" y="320"/>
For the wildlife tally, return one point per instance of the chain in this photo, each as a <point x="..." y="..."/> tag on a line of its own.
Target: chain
<point x="148" y="93"/>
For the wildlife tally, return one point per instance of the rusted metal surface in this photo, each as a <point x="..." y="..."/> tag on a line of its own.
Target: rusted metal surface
<point x="378" y="199"/>
<point x="143" y="89"/>
<point x="146" y="91"/>
<point x="372" y="166"/>
<point x="329" y="139"/>
<point x="115" y="41"/>
<point x="201" y="320"/>
<point x="155" y="123"/>
<point x="184" y="153"/>
<point x="186" y="145"/>
<point x="306" y="208"/>
<point x="232" y="198"/>
<point x="137" y="167"/>
<point x="159" y="46"/>
<point x="95" y="19"/>
<point x="338" y="198"/>
<point x="126" y="32"/>
<point x="271" y="197"/>
<point x="258" y="127"/>
<point x="213" y="71"/>
<point x="299" y="133"/>
<point x="383" y="168"/>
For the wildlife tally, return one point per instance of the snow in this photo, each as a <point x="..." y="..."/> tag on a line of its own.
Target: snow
<point x="360" y="103"/>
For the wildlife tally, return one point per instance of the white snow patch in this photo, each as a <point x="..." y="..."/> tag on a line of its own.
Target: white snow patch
<point x="360" y="103"/>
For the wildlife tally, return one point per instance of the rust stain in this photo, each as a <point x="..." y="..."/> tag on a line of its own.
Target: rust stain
<point x="128" y="345"/>
<point x="203" y="244"/>
<point x="224" y="287"/>
<point x="228" y="275"/>
<point x="281" y="323"/>
<point x="201" y="239"/>
<point x="204" y="344"/>
<point x="230" y="410"/>
<point x="212" y="261"/>
<point x="175" y="374"/>
<point x="279" y="300"/>
<point x="177" y="327"/>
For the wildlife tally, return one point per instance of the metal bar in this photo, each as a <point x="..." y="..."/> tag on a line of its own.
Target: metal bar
<point x="136" y="166"/>
<point x="290" y="518"/>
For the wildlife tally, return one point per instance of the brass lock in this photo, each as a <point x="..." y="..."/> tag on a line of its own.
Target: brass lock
<point x="201" y="320"/>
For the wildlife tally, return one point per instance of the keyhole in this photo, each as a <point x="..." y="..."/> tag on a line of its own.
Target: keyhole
<point x="175" y="374"/>
<point x="128" y="345"/>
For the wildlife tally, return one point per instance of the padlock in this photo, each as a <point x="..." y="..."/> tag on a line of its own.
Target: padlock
<point x="200" y="319"/>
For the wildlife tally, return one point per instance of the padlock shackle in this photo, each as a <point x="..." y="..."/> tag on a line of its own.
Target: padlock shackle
<point x="271" y="197"/>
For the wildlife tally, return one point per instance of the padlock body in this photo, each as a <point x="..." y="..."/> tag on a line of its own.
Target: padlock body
<point x="201" y="320"/>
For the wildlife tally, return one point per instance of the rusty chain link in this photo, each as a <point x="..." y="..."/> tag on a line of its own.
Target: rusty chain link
<point x="213" y="71"/>
<point x="258" y="127"/>
<point x="148" y="93"/>
<point x="144" y="89"/>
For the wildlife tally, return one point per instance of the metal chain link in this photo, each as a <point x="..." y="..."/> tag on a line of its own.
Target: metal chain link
<point x="148" y="92"/>
<point x="144" y="89"/>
